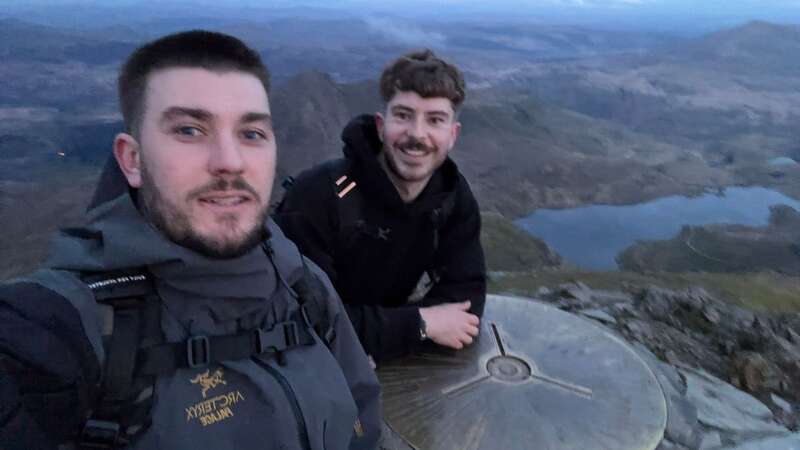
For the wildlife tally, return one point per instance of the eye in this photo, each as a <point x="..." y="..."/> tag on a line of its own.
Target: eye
<point x="187" y="130"/>
<point x="402" y="115"/>
<point x="254" y="135"/>
<point x="436" y="120"/>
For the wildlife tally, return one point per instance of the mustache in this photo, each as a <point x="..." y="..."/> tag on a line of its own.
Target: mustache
<point x="223" y="184"/>
<point x="413" y="143"/>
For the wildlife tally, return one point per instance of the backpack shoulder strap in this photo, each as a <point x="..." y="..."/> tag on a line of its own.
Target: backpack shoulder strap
<point x="311" y="297"/>
<point x="131" y="315"/>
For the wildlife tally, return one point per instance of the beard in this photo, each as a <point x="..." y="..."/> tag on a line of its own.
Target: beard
<point x="177" y="225"/>
<point x="409" y="144"/>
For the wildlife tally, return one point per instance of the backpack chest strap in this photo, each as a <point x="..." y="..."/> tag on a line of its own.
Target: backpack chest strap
<point x="200" y="351"/>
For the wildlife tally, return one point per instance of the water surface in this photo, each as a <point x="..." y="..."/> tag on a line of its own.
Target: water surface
<point x="592" y="236"/>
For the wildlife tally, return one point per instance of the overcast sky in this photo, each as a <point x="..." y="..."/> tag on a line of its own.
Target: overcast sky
<point x="674" y="15"/>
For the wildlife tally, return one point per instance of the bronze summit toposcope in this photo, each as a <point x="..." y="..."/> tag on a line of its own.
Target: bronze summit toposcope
<point x="536" y="378"/>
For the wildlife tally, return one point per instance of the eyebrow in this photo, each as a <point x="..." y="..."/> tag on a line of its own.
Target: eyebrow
<point x="250" y="117"/>
<point x="438" y="112"/>
<point x="175" y="112"/>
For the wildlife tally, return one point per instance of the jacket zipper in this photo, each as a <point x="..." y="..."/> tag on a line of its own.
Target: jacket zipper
<point x="302" y="430"/>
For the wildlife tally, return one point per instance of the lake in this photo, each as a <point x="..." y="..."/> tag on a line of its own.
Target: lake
<point x="592" y="236"/>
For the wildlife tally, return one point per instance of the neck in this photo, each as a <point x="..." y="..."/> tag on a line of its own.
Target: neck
<point x="408" y="190"/>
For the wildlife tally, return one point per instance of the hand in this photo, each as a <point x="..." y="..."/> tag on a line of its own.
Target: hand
<point x="450" y="324"/>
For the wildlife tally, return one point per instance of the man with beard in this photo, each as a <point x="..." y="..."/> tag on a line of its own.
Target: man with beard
<point x="394" y="224"/>
<point x="179" y="316"/>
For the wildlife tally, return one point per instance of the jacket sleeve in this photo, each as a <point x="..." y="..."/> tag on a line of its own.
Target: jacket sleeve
<point x="460" y="263"/>
<point x="306" y="216"/>
<point x="358" y="372"/>
<point x="47" y="368"/>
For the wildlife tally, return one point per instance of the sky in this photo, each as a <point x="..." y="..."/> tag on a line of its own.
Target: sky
<point x="667" y="15"/>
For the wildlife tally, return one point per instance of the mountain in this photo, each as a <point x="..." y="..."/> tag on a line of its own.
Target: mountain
<point x="536" y="133"/>
<point x="724" y="248"/>
<point x="756" y="47"/>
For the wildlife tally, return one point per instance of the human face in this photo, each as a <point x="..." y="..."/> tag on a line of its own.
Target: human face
<point x="204" y="161"/>
<point x="417" y="133"/>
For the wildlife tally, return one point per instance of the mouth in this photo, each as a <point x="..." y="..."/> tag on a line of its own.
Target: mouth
<point x="414" y="151"/>
<point x="225" y="200"/>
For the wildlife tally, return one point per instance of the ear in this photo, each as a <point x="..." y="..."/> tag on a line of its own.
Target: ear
<point x="380" y="123"/>
<point x="454" y="132"/>
<point x="128" y="155"/>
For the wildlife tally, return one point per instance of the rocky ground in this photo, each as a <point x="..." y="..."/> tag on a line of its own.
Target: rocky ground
<point x="730" y="376"/>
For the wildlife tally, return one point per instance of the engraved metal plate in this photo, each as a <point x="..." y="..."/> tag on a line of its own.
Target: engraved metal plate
<point x="536" y="378"/>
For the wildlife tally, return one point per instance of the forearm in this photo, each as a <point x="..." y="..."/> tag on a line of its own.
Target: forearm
<point x="386" y="332"/>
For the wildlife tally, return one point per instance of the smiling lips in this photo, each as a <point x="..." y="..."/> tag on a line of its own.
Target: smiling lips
<point x="225" y="200"/>
<point x="414" y="149"/>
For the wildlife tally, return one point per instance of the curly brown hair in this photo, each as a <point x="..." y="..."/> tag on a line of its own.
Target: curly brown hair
<point x="426" y="74"/>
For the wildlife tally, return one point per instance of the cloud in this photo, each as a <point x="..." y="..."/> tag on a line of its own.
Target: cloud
<point x="405" y="33"/>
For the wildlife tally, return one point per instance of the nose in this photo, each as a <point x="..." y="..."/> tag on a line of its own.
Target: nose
<point x="225" y="156"/>
<point x="417" y="128"/>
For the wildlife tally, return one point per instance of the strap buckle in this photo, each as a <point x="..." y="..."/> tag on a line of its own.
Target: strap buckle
<point x="198" y="351"/>
<point x="279" y="338"/>
<point x="100" y="434"/>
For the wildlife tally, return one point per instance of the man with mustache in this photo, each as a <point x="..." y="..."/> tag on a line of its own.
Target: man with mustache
<point x="180" y="316"/>
<point x="394" y="224"/>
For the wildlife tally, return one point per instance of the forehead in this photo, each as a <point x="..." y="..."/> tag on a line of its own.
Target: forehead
<point x="412" y="100"/>
<point x="220" y="93"/>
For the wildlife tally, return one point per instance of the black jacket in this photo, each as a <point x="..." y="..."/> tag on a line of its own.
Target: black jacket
<point x="375" y="248"/>
<point x="53" y="347"/>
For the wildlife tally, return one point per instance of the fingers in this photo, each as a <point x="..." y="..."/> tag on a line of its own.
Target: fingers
<point x="463" y="306"/>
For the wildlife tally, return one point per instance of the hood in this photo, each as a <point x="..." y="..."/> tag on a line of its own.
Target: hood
<point x="362" y="146"/>
<point x="117" y="237"/>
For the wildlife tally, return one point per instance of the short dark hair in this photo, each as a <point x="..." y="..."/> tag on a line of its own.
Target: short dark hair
<point x="191" y="49"/>
<point x="426" y="74"/>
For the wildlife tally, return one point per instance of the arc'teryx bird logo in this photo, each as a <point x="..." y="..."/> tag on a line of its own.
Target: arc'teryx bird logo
<point x="207" y="381"/>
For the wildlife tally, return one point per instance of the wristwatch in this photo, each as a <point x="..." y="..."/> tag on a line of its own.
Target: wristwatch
<point x="423" y="329"/>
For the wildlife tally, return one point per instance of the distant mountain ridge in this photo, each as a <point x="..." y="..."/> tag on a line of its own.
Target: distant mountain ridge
<point x="554" y="134"/>
<point x="758" y="46"/>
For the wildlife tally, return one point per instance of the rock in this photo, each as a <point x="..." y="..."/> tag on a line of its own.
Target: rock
<point x="793" y="336"/>
<point x="784" y="442"/>
<point x="599" y="315"/>
<point x="579" y="295"/>
<point x="666" y="444"/>
<point x="781" y="403"/>
<point x="391" y="440"/>
<point x="727" y="347"/>
<point x="624" y="309"/>
<point x="711" y="314"/>
<point x="543" y="292"/>
<point x="721" y="406"/>
<point x="753" y="372"/>
<point x="607" y="298"/>
<point x="682" y="429"/>
<point x="682" y="424"/>
<point x="710" y="440"/>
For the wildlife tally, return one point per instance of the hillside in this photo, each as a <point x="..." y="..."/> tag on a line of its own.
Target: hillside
<point x="588" y="129"/>
<point x="723" y="248"/>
